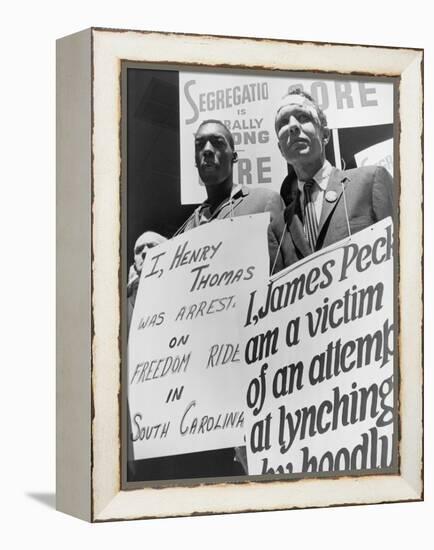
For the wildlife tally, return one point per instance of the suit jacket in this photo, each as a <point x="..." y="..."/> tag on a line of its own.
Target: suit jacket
<point x="368" y="198"/>
<point x="247" y="200"/>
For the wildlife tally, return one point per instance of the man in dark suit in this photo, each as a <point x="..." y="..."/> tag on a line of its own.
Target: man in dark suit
<point x="324" y="204"/>
<point x="215" y="157"/>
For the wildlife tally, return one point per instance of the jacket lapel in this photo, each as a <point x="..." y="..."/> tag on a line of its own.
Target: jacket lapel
<point x="226" y="206"/>
<point x="334" y="188"/>
<point x="294" y="218"/>
<point x="295" y="226"/>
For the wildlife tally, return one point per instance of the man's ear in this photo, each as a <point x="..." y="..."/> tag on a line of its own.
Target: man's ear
<point x="235" y="157"/>
<point x="325" y="135"/>
<point x="280" y="148"/>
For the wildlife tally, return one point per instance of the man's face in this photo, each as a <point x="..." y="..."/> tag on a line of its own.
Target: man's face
<point x="300" y="135"/>
<point x="213" y="154"/>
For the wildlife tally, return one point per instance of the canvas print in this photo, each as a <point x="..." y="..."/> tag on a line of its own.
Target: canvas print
<point x="259" y="263"/>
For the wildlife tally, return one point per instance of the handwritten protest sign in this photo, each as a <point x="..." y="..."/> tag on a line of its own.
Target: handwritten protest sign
<point x="319" y="344"/>
<point x="247" y="104"/>
<point x="185" y="373"/>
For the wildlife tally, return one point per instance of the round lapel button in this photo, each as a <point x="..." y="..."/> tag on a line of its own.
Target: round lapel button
<point x="331" y="196"/>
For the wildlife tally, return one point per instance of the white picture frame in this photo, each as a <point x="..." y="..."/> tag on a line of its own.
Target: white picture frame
<point x="89" y="156"/>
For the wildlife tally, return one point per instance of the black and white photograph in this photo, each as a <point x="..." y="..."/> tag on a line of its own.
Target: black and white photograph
<point x="259" y="274"/>
<point x="217" y="275"/>
<point x="239" y="324"/>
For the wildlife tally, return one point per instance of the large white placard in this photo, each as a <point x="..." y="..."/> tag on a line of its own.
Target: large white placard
<point x="247" y="105"/>
<point x="185" y="373"/>
<point x="319" y="346"/>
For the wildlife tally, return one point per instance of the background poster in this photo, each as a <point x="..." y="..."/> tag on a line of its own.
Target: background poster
<point x="247" y="105"/>
<point x="319" y="346"/>
<point x="185" y="370"/>
<point x="380" y="154"/>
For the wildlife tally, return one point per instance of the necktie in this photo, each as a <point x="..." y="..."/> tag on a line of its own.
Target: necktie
<point x="310" y="220"/>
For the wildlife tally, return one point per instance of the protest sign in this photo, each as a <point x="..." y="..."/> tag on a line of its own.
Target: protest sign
<point x="380" y="154"/>
<point x="247" y="104"/>
<point x="185" y="373"/>
<point x="319" y="344"/>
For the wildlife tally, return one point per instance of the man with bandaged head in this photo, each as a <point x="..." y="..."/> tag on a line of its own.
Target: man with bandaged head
<point x="146" y="241"/>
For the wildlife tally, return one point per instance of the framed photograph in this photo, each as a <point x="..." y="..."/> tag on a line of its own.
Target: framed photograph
<point x="239" y="267"/>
